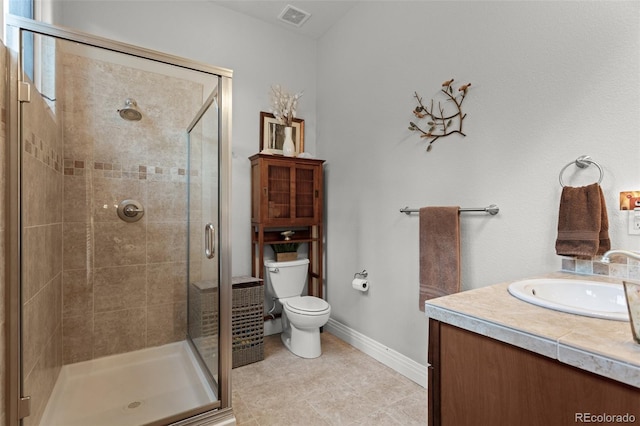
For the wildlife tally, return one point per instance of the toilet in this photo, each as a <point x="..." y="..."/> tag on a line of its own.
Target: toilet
<point x="302" y="316"/>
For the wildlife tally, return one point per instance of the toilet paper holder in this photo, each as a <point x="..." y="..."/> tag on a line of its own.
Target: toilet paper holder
<point x="363" y="274"/>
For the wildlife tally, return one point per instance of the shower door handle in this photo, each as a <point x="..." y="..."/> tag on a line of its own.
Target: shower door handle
<point x="209" y="241"/>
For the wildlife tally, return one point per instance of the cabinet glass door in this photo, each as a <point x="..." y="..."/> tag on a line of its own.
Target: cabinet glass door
<point x="279" y="192"/>
<point x="305" y="193"/>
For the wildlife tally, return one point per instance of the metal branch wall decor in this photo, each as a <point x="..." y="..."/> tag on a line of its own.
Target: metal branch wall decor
<point x="442" y="120"/>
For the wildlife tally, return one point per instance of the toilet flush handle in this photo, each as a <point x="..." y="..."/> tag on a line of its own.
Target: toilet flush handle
<point x="274" y="270"/>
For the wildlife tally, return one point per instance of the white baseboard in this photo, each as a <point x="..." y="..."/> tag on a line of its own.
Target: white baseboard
<point x="392" y="359"/>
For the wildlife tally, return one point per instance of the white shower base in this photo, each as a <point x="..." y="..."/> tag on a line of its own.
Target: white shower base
<point x="128" y="389"/>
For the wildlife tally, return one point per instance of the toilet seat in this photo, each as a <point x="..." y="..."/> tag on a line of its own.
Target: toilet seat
<point x="307" y="305"/>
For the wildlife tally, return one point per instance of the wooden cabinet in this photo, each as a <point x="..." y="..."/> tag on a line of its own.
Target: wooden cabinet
<point x="476" y="380"/>
<point x="286" y="191"/>
<point x="287" y="194"/>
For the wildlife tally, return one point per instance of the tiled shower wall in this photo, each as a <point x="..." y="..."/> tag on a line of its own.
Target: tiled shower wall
<point x="42" y="254"/>
<point x="3" y="287"/>
<point x="124" y="283"/>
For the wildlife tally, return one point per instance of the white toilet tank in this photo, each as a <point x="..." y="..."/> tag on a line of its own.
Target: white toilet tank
<point x="287" y="278"/>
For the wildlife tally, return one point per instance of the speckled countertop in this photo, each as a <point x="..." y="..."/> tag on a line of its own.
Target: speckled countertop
<point x="600" y="346"/>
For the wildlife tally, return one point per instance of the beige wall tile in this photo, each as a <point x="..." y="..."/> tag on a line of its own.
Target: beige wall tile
<point x="42" y="187"/>
<point x="166" y="283"/>
<point x="42" y="197"/>
<point x="195" y="270"/>
<point x="119" y="243"/>
<point x="33" y="332"/>
<point x="53" y="310"/>
<point x="166" y="242"/>
<point x="3" y="287"/>
<point x="196" y="241"/>
<point x="121" y="140"/>
<point x="170" y="148"/>
<point x="3" y="180"/>
<point x="75" y="255"/>
<point x="77" y="338"/>
<point x="3" y="375"/>
<point x="195" y="202"/>
<point x="166" y="202"/>
<point x="42" y="257"/>
<point x="34" y="268"/>
<point x="119" y="331"/>
<point x="118" y="288"/>
<point x="77" y="293"/>
<point x="42" y="315"/>
<point x="76" y="202"/>
<point x="76" y="137"/>
<point x="53" y="249"/>
<point x="166" y="323"/>
<point x="33" y="200"/>
<point x="52" y="207"/>
<point x="40" y="381"/>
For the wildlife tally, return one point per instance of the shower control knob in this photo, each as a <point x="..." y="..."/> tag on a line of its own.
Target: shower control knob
<point x="130" y="210"/>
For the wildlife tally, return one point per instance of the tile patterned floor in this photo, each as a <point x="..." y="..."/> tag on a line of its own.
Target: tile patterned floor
<point x="342" y="387"/>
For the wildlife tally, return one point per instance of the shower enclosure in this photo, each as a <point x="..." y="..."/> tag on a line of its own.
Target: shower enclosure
<point x="118" y="243"/>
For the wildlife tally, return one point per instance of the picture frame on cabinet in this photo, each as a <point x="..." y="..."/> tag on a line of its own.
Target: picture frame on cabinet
<point x="272" y="134"/>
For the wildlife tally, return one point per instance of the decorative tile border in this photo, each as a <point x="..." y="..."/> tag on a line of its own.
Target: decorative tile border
<point x="41" y="151"/>
<point x="628" y="269"/>
<point x="73" y="167"/>
<point x="102" y="169"/>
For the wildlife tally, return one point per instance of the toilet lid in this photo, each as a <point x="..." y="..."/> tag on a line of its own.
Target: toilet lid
<point x="308" y="304"/>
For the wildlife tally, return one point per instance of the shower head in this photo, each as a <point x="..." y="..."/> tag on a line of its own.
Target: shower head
<point x="130" y="111"/>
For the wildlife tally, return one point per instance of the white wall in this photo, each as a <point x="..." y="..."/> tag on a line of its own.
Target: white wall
<point x="259" y="54"/>
<point x="550" y="81"/>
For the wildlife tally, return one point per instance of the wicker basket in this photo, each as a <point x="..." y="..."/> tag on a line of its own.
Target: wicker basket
<point x="247" y="323"/>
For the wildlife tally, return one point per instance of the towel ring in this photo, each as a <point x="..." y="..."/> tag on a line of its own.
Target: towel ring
<point x="583" y="161"/>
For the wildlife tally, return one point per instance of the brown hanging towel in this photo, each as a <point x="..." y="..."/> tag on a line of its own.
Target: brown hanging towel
<point x="439" y="252"/>
<point x="583" y="224"/>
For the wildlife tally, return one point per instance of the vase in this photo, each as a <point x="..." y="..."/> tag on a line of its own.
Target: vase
<point x="288" y="147"/>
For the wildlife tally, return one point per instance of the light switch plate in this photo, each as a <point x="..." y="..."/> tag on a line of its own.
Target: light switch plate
<point x="634" y="222"/>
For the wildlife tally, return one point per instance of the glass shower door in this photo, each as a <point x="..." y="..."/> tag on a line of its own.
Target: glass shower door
<point x="203" y="326"/>
<point x="87" y="286"/>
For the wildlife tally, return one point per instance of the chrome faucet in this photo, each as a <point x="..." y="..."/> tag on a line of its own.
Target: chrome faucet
<point x="627" y="253"/>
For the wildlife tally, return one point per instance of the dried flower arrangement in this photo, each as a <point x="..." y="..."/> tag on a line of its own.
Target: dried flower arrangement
<point x="284" y="104"/>
<point x="440" y="125"/>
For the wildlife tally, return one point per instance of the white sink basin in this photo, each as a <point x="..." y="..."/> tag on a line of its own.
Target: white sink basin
<point x="587" y="298"/>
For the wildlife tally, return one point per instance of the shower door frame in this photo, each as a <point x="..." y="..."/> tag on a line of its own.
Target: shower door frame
<point x="219" y="411"/>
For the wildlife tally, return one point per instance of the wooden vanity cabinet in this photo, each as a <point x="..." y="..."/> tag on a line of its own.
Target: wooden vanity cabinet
<point x="475" y="380"/>
<point x="287" y="194"/>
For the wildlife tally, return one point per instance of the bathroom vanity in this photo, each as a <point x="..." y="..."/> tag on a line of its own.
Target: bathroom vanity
<point x="496" y="360"/>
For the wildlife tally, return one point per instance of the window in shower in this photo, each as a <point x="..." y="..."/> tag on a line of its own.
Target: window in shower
<point x="25" y="8"/>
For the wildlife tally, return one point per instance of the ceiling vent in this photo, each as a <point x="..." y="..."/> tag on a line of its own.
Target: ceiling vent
<point x="294" y="16"/>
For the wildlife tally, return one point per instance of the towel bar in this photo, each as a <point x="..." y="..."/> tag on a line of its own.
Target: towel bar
<point x="492" y="210"/>
<point x="582" y="162"/>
